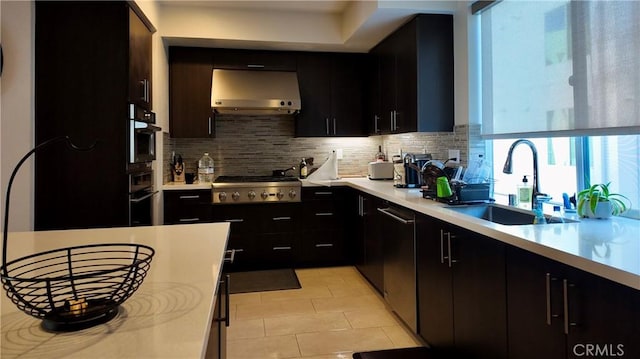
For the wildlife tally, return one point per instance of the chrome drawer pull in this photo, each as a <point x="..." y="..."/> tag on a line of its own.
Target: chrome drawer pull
<point x="324" y="214"/>
<point x="238" y="220"/>
<point x="189" y="219"/>
<point x="281" y="248"/>
<point x="281" y="218"/>
<point x="319" y="245"/>
<point x="190" y="196"/>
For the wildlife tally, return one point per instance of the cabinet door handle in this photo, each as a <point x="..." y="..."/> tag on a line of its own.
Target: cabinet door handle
<point x="209" y="126"/>
<point x="147" y="90"/>
<point x="281" y="218"/>
<point x="397" y="218"/>
<point x="227" y="293"/>
<point x="326" y="121"/>
<point x="320" y="245"/>
<point x="375" y="123"/>
<point x="231" y="257"/>
<point x="255" y="66"/>
<point x="194" y="219"/>
<point x="324" y="214"/>
<point x="334" y="126"/>
<point x="391" y="119"/>
<point x="190" y="197"/>
<point x="565" y="304"/>
<point x="449" y="248"/>
<point x="325" y="193"/>
<point x="565" y="298"/>
<point x="281" y="248"/>
<point x="442" y="257"/>
<point x="547" y="282"/>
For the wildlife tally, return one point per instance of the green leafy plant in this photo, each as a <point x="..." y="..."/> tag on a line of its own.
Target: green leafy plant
<point x="589" y="198"/>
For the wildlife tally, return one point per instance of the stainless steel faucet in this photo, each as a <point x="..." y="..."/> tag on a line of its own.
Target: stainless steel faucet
<point x="508" y="168"/>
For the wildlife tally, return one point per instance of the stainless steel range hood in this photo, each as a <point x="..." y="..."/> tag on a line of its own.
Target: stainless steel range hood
<point x="255" y="93"/>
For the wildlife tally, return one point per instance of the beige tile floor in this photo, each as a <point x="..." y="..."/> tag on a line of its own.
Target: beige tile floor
<point x="333" y="315"/>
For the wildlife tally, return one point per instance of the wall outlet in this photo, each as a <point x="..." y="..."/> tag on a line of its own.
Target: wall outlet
<point x="454" y="154"/>
<point x="339" y="153"/>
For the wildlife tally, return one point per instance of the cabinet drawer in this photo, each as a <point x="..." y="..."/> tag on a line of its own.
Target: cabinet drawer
<point x="189" y="214"/>
<point x="188" y="197"/>
<point x="242" y="219"/>
<point x="319" y="194"/>
<point x="321" y="248"/>
<point x="191" y="206"/>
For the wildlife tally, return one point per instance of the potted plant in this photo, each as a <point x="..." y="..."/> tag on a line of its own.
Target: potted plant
<point x="598" y="202"/>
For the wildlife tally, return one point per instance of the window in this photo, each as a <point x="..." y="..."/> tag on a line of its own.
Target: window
<point x="565" y="75"/>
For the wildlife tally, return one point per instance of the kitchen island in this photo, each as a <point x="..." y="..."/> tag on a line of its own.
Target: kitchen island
<point x="168" y="317"/>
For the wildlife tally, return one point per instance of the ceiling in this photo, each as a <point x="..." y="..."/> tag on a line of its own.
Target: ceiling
<point x="360" y="24"/>
<point x="314" y="6"/>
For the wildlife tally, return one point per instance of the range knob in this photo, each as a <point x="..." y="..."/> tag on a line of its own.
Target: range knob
<point x="264" y="195"/>
<point x="235" y="196"/>
<point x="280" y="195"/>
<point x="292" y="194"/>
<point x="252" y="194"/>
<point x="222" y="196"/>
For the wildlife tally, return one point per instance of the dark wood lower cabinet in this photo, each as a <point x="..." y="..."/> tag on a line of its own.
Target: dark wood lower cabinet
<point x="262" y="235"/>
<point x="477" y="297"/>
<point x="369" y="255"/>
<point x="188" y="206"/>
<point x="217" y="342"/>
<point x="556" y="311"/>
<point x="461" y="291"/>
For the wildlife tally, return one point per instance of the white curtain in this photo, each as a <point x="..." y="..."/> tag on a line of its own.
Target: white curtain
<point x="560" y="68"/>
<point x="612" y="30"/>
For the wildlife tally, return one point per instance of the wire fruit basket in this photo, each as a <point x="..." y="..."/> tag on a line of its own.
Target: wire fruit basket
<point x="75" y="287"/>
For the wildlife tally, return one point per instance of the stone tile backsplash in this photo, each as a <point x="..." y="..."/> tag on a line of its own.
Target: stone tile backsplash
<point x="257" y="145"/>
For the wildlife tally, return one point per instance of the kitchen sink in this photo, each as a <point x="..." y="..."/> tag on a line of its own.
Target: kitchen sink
<point x="503" y="215"/>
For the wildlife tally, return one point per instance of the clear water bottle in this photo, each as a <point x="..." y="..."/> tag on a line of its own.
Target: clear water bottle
<point x="205" y="169"/>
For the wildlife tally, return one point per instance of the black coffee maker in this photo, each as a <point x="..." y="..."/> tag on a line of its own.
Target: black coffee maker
<point x="413" y="163"/>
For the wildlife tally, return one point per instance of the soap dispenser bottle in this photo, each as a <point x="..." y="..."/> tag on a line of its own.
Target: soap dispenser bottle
<point x="525" y="191"/>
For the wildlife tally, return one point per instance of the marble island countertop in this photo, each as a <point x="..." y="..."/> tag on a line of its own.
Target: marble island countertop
<point x="169" y="316"/>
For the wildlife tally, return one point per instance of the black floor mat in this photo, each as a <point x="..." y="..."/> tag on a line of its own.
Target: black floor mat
<point x="264" y="280"/>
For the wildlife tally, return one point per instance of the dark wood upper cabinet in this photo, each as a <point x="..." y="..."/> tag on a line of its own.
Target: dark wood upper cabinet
<point x="332" y="94"/>
<point x="415" y="71"/>
<point x="140" y="40"/>
<point x="239" y="59"/>
<point x="190" y="71"/>
<point x="84" y="64"/>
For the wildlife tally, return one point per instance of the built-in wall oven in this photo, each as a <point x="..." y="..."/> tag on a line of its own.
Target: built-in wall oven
<point x="141" y="194"/>
<point x="142" y="135"/>
<point x="142" y="150"/>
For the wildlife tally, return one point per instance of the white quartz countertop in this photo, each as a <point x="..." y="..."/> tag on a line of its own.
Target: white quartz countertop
<point x="174" y="186"/>
<point x="168" y="317"/>
<point x="607" y="248"/>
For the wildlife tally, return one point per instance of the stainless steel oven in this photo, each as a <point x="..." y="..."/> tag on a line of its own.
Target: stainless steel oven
<point x="142" y="135"/>
<point x="141" y="194"/>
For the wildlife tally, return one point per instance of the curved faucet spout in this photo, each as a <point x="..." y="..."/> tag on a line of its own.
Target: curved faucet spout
<point x="508" y="167"/>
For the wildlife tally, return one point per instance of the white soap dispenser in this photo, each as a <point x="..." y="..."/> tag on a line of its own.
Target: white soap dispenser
<point x="525" y="191"/>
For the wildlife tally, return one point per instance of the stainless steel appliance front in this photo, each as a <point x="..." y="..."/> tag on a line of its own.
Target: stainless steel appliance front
<point x="140" y="194"/>
<point x="142" y="135"/>
<point x="256" y="189"/>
